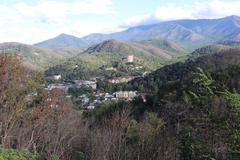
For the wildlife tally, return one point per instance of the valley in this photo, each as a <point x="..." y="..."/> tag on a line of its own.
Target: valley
<point x="164" y="91"/>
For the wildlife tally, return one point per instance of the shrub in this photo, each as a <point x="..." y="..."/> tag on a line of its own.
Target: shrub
<point x="11" y="154"/>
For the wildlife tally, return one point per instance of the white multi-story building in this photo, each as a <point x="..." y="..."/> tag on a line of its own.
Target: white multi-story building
<point x="81" y="83"/>
<point x="130" y="59"/>
<point x="126" y="94"/>
<point x="57" y="77"/>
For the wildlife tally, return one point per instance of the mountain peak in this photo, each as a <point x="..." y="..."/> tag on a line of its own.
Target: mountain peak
<point x="233" y="18"/>
<point x="114" y="41"/>
<point x="62" y="40"/>
<point x="64" y="35"/>
<point x="110" y="45"/>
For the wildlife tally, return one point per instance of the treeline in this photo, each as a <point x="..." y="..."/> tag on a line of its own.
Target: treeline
<point x="177" y="75"/>
<point x="73" y="70"/>
<point x="199" y="103"/>
<point x="45" y="124"/>
<point x="37" y="124"/>
<point x="201" y="121"/>
<point x="31" y="118"/>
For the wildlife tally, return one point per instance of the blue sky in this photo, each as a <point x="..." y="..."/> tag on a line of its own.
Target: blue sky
<point x="31" y="21"/>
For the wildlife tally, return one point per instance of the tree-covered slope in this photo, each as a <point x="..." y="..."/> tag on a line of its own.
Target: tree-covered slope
<point x="96" y="59"/>
<point x="210" y="49"/>
<point x="167" y="46"/>
<point x="180" y="72"/>
<point x="37" y="57"/>
<point x="215" y="48"/>
<point x="137" y="49"/>
<point x="198" y="102"/>
<point x="63" y="40"/>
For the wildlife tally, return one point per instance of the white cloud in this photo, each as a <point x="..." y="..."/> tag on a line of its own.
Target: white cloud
<point x="32" y="23"/>
<point x="200" y="9"/>
<point x="172" y="12"/>
<point x="57" y="10"/>
<point x="138" y="20"/>
<point x="216" y="9"/>
<point x="32" y="35"/>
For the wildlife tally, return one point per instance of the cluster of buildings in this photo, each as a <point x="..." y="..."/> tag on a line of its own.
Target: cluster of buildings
<point x="62" y="86"/>
<point x="118" y="80"/>
<point x="87" y="101"/>
<point x="126" y="79"/>
<point x="120" y="95"/>
<point x="77" y="84"/>
<point x="103" y="97"/>
<point x="84" y="83"/>
<point x="57" y="77"/>
<point x="126" y="95"/>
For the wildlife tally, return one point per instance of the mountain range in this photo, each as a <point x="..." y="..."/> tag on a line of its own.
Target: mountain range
<point x="198" y="32"/>
<point x="155" y="44"/>
<point x="63" y="40"/>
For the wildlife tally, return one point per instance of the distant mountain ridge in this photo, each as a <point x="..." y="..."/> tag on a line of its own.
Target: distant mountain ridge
<point x="167" y="46"/>
<point x="38" y="57"/>
<point x="200" y="31"/>
<point x="127" y="48"/>
<point x="63" y="40"/>
<point x="183" y="30"/>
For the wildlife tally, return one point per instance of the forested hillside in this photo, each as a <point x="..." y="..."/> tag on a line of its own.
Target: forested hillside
<point x="37" y="57"/>
<point x="198" y="102"/>
<point x="190" y="110"/>
<point x="180" y="72"/>
<point x="94" y="61"/>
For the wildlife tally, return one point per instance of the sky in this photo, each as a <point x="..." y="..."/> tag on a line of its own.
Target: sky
<point x="32" y="21"/>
